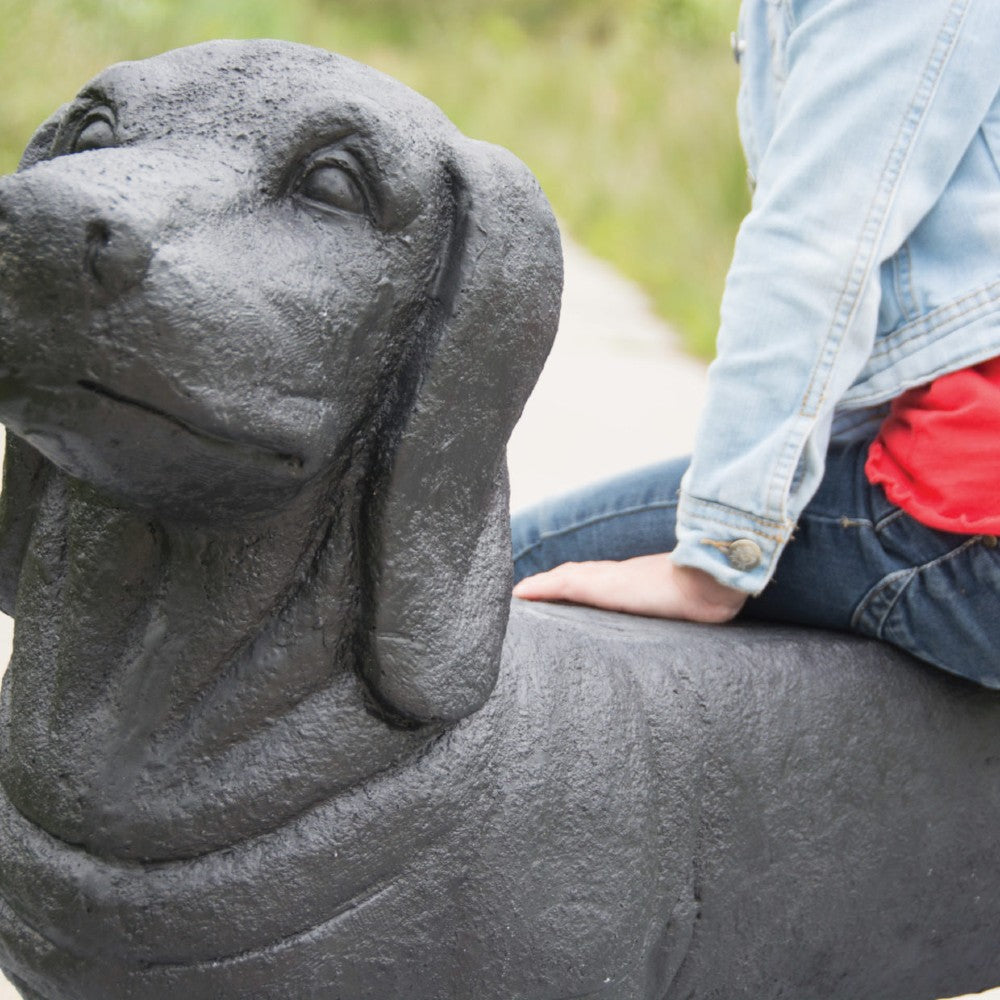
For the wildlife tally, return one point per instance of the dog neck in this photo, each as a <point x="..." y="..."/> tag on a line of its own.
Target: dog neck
<point x="177" y="688"/>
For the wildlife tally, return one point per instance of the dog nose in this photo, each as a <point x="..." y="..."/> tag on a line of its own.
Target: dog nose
<point x="62" y="230"/>
<point x="116" y="255"/>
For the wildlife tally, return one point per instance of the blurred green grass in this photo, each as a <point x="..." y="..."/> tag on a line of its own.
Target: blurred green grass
<point x="624" y="111"/>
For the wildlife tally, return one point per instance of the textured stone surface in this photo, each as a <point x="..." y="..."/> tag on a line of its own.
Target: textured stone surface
<point x="266" y="320"/>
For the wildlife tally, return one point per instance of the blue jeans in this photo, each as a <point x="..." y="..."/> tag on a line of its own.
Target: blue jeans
<point x="856" y="562"/>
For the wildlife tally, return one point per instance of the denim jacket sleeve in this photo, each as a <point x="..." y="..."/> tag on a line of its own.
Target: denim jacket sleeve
<point x="874" y="104"/>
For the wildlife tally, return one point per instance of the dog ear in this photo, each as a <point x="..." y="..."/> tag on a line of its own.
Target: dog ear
<point x="40" y="145"/>
<point x="442" y="576"/>
<point x="24" y="476"/>
<point x="23" y="467"/>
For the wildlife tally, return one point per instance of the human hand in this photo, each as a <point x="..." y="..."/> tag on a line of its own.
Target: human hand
<point x="644" y="585"/>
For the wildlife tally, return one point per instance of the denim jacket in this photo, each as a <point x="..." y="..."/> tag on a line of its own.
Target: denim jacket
<point x="869" y="261"/>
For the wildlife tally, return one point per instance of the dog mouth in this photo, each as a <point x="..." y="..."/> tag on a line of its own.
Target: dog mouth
<point x="288" y="461"/>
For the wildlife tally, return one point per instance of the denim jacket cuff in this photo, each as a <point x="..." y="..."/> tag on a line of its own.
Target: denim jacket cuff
<point x="738" y="549"/>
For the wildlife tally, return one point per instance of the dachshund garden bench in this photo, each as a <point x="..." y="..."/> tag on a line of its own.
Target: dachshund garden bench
<point x="272" y="728"/>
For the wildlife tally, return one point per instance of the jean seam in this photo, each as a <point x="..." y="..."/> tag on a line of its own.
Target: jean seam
<point x="544" y="536"/>
<point x="843" y="520"/>
<point x="887" y="519"/>
<point x="908" y="575"/>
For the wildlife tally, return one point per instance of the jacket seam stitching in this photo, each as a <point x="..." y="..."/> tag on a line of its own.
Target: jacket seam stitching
<point x="756" y="532"/>
<point x="885" y="193"/>
<point x="711" y="505"/>
<point x="943" y="319"/>
<point x="864" y="254"/>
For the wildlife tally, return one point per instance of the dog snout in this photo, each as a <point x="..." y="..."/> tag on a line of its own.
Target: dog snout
<point x="116" y="256"/>
<point x="59" y="233"/>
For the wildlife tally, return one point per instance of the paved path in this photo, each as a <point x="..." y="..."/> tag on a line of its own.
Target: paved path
<point x="616" y="393"/>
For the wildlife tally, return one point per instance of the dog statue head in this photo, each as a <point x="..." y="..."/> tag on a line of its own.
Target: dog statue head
<point x="234" y="272"/>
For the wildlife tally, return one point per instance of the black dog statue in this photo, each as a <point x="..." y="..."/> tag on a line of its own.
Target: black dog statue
<point x="266" y="322"/>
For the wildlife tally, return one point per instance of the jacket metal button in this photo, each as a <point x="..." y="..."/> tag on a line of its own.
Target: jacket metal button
<point x="738" y="44"/>
<point x="744" y="554"/>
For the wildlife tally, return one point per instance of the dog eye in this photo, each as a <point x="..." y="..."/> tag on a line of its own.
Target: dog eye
<point x="95" y="132"/>
<point x="332" y="185"/>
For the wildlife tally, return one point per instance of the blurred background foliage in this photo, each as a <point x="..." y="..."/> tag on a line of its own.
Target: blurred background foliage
<point x="623" y="108"/>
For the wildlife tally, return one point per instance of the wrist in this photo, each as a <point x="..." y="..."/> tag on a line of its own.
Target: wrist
<point x="711" y="600"/>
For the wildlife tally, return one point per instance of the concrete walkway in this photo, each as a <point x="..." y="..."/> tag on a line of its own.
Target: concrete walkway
<point x="616" y="393"/>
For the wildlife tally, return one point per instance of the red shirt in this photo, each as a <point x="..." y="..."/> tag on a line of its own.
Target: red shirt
<point x="937" y="454"/>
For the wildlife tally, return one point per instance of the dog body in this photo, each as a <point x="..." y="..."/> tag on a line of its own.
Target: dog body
<point x="641" y="809"/>
<point x="266" y="321"/>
